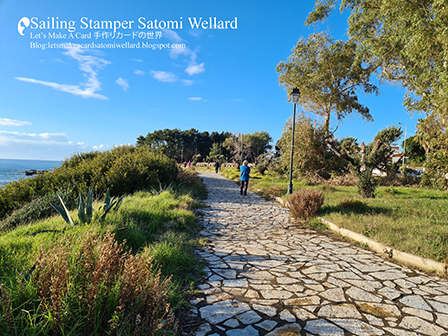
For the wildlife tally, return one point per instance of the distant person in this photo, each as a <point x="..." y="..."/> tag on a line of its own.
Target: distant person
<point x="244" y="177"/>
<point x="189" y="163"/>
<point x="185" y="164"/>
<point x="216" y="166"/>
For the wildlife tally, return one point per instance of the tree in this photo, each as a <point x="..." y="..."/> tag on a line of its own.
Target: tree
<point x="328" y="74"/>
<point x="183" y="145"/>
<point x="414" y="150"/>
<point x="407" y="41"/>
<point x="432" y="133"/>
<point x="215" y="153"/>
<point x="374" y="155"/>
<point x="310" y="150"/>
<point x="239" y="146"/>
<point x="260" y="143"/>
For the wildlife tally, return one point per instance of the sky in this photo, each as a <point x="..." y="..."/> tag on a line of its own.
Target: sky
<point x="150" y="65"/>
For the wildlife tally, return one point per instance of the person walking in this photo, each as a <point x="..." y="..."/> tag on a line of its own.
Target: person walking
<point x="244" y="177"/>
<point x="216" y="166"/>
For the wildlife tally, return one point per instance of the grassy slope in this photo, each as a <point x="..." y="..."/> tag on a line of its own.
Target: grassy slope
<point x="164" y="223"/>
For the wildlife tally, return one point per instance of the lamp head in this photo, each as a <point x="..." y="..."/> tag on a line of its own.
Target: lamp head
<point x="295" y="95"/>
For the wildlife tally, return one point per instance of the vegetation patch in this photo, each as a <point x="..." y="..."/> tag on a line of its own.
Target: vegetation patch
<point x="124" y="274"/>
<point x="305" y="203"/>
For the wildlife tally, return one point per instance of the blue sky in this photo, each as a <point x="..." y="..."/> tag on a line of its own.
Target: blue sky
<point x="59" y="101"/>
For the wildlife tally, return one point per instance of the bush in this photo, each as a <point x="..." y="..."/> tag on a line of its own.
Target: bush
<point x="262" y="167"/>
<point x="188" y="178"/>
<point x="305" y="203"/>
<point x="122" y="170"/>
<point x="39" y="208"/>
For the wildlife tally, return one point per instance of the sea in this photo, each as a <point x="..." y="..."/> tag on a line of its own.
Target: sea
<point x="13" y="170"/>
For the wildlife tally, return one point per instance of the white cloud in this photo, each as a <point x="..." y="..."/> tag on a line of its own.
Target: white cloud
<point x="10" y="122"/>
<point x="139" y="72"/>
<point x="194" y="69"/>
<point x="195" y="98"/>
<point x="42" y="146"/>
<point x="7" y="138"/>
<point x="137" y="60"/>
<point x="164" y="76"/>
<point x="171" y="35"/>
<point x="123" y="83"/>
<point x="169" y="77"/>
<point x="187" y="82"/>
<point x="175" y="52"/>
<point x="87" y="63"/>
<point x="101" y="147"/>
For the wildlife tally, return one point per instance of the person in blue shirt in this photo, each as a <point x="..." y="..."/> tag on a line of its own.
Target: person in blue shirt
<point x="244" y="177"/>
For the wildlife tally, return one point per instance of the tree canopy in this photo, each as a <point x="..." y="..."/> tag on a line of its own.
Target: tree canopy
<point x="406" y="40"/>
<point x="183" y="145"/>
<point x="329" y="75"/>
<point x="189" y="145"/>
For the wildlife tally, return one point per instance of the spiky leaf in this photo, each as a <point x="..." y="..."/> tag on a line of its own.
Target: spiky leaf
<point x="108" y="208"/>
<point x="82" y="209"/>
<point x="107" y="199"/>
<point x="63" y="211"/>
<point x="89" y="204"/>
<point x="118" y="203"/>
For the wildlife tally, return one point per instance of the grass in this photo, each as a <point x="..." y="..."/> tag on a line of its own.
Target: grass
<point x="159" y="226"/>
<point x="413" y="220"/>
<point x="409" y="219"/>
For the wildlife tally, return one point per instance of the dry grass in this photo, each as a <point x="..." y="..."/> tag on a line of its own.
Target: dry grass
<point x="353" y="204"/>
<point x="305" y="203"/>
<point x="114" y="292"/>
<point x="188" y="176"/>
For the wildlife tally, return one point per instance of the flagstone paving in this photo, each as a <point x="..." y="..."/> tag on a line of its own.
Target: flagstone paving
<point x="266" y="276"/>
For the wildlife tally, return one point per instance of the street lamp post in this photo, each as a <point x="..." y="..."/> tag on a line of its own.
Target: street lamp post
<point x="404" y="146"/>
<point x="295" y="95"/>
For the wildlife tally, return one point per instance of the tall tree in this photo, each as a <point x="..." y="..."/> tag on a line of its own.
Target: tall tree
<point x="260" y="143"/>
<point x="407" y="40"/>
<point x="329" y="75"/>
<point x="183" y="145"/>
<point x="432" y="133"/>
<point x="309" y="147"/>
<point x="215" y="153"/>
<point x="239" y="146"/>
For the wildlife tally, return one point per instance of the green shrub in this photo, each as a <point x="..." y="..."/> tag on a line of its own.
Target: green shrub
<point x="262" y="167"/>
<point x="305" y="203"/>
<point x="122" y="170"/>
<point x="366" y="183"/>
<point x="39" y="208"/>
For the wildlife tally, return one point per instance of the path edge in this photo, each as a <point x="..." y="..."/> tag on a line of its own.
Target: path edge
<point x="403" y="257"/>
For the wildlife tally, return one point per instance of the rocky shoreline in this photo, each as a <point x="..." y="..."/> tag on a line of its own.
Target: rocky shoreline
<point x="29" y="172"/>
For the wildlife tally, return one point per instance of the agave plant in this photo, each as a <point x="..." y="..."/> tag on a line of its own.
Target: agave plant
<point x="85" y="209"/>
<point x="110" y="203"/>
<point x="63" y="211"/>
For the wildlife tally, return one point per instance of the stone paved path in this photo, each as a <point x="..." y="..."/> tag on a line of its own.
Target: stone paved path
<point x="266" y="276"/>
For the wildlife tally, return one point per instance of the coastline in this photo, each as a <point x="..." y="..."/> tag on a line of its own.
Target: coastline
<point x="14" y="169"/>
